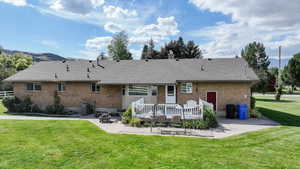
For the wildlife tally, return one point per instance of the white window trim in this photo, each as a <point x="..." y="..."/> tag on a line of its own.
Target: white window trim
<point x="186" y="84"/>
<point x="91" y="88"/>
<point x="33" y="86"/>
<point x="128" y="91"/>
<point x="57" y="86"/>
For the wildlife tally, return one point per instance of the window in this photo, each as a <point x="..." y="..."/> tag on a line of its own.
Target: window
<point x="186" y="88"/>
<point x="33" y="86"/>
<point x="154" y="90"/>
<point x="61" y="87"/>
<point x="95" y="87"/>
<point x="138" y="90"/>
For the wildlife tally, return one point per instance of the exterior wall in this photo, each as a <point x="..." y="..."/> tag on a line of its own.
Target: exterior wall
<point x="227" y="93"/>
<point x="161" y="97"/>
<point x="75" y="94"/>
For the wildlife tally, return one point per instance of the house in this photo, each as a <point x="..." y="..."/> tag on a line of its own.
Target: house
<point x="115" y="84"/>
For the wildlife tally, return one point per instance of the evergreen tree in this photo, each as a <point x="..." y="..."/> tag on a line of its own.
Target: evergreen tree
<point x="118" y="47"/>
<point x="291" y="73"/>
<point x="254" y="53"/>
<point x="144" y="52"/>
<point x="192" y="51"/>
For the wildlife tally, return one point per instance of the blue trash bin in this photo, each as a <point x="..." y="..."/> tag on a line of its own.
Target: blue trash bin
<point x="242" y="111"/>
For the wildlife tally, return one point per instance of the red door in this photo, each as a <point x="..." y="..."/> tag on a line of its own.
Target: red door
<point x="212" y="98"/>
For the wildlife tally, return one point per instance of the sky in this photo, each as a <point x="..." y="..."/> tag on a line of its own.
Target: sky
<point x="83" y="28"/>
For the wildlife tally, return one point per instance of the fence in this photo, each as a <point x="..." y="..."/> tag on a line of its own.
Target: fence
<point x="6" y="94"/>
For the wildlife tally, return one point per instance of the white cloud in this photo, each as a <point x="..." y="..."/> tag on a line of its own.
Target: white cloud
<point x="50" y="43"/>
<point x="76" y="6"/>
<point x="136" y="53"/>
<point x="98" y="43"/>
<point x="15" y="2"/>
<point x="117" y="12"/>
<point x="113" y="27"/>
<point x="274" y="23"/>
<point x="164" y="27"/>
<point x="271" y="14"/>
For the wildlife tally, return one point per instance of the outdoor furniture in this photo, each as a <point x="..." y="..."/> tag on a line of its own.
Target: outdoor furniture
<point x="105" y="118"/>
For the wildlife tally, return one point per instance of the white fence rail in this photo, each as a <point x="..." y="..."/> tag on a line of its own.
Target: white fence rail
<point x="6" y="94"/>
<point x="142" y="110"/>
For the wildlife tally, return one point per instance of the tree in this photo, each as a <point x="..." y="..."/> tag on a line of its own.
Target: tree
<point x="144" y="52"/>
<point x="291" y="73"/>
<point x="192" y="51"/>
<point x="255" y="54"/>
<point x="118" y="47"/>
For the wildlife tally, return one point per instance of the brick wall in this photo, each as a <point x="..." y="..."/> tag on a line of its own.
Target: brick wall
<point x="110" y="96"/>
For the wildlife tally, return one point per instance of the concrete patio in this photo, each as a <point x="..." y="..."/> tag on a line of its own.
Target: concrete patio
<point x="228" y="127"/>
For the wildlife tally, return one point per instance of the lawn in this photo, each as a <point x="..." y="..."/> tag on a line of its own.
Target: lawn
<point x="80" y="144"/>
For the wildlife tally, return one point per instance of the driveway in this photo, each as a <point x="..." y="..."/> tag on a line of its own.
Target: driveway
<point x="227" y="127"/>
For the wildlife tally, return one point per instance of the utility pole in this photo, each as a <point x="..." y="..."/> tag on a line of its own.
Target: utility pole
<point x="279" y="85"/>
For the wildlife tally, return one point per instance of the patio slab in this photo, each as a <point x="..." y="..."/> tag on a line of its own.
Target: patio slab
<point x="228" y="127"/>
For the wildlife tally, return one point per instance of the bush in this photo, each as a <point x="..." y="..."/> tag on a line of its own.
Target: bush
<point x="10" y="103"/>
<point x="90" y="109"/>
<point x="50" y="109"/>
<point x="210" y="118"/>
<point x="253" y="102"/>
<point x="135" y="122"/>
<point x="36" y="109"/>
<point x="127" y="115"/>
<point x="255" y="114"/>
<point x="196" y="124"/>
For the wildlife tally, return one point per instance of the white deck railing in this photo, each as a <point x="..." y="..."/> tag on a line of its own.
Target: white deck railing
<point x="142" y="110"/>
<point x="6" y="94"/>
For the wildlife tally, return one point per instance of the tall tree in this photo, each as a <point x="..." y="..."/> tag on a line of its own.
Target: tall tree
<point x="118" y="47"/>
<point x="192" y="50"/>
<point x="144" y="52"/>
<point x="291" y="73"/>
<point x="255" y="54"/>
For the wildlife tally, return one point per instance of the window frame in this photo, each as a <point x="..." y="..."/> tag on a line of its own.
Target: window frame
<point x="58" y="87"/>
<point x="186" y="88"/>
<point x="97" y="87"/>
<point x="34" y="88"/>
<point x="133" y="89"/>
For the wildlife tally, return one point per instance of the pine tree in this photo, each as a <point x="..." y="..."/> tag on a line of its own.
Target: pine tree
<point x="144" y="52"/>
<point x="192" y="51"/>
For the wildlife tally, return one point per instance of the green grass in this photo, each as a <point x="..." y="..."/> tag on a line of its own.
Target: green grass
<point x="2" y="108"/>
<point x="80" y="144"/>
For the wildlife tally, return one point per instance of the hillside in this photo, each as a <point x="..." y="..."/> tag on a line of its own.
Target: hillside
<point x="37" y="57"/>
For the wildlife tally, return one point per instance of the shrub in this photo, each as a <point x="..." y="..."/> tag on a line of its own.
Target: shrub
<point x="50" y="109"/>
<point x="10" y="103"/>
<point x="253" y="102"/>
<point x="135" y="122"/>
<point x="36" y="109"/>
<point x="127" y="115"/>
<point x="210" y="118"/>
<point x="255" y="114"/>
<point x="196" y="124"/>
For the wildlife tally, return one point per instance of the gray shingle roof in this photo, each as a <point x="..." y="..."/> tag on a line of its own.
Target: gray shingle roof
<point x="139" y="71"/>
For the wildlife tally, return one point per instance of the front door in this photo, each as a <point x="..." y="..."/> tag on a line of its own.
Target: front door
<point x="212" y="98"/>
<point x="170" y="94"/>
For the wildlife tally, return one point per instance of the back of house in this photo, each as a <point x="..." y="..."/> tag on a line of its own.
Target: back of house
<point x="116" y="84"/>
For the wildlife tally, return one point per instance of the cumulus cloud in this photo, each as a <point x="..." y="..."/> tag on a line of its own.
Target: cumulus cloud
<point x="117" y="12"/>
<point x="76" y="6"/>
<point x="113" y="27"/>
<point x="274" y="23"/>
<point x="266" y="13"/>
<point x="164" y="27"/>
<point x="98" y="43"/>
<point x="15" y="2"/>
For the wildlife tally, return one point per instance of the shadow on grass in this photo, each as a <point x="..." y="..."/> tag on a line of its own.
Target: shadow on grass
<point x="274" y="101"/>
<point x="283" y="118"/>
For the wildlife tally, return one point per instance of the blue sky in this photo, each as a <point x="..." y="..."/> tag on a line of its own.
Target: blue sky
<point x="83" y="28"/>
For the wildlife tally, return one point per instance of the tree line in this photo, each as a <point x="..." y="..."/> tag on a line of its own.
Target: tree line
<point x="11" y="64"/>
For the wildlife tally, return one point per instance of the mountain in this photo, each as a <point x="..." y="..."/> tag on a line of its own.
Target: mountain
<point x="37" y="57"/>
<point x="274" y="62"/>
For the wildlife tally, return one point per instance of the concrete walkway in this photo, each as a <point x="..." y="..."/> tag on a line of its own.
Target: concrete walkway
<point x="284" y="95"/>
<point x="227" y="127"/>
